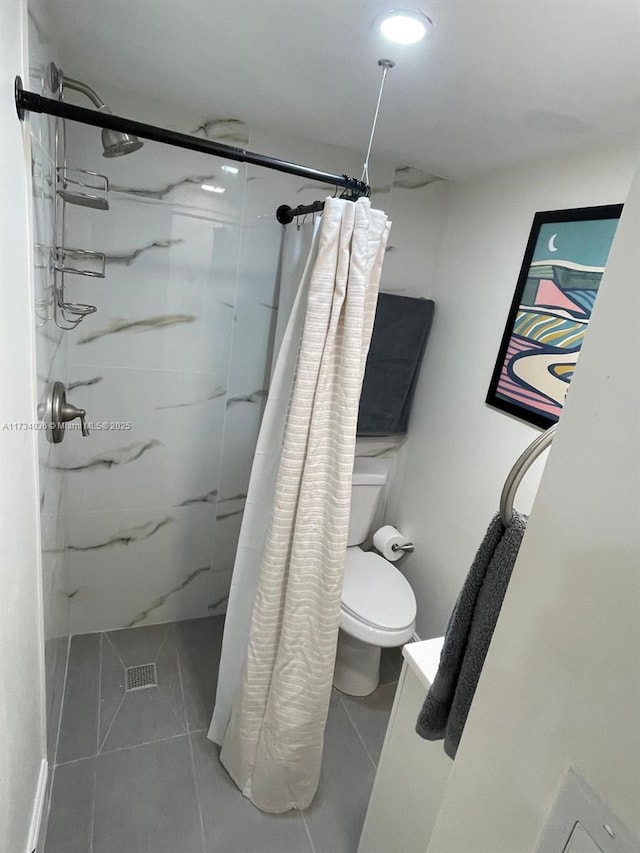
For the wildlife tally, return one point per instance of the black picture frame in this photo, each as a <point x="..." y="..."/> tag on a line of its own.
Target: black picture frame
<point x="550" y="311"/>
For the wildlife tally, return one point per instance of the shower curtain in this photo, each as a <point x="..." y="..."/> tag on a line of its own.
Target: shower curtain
<point x="295" y="253"/>
<point x="284" y="608"/>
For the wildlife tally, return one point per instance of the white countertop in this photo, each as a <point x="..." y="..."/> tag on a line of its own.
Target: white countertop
<point x="424" y="658"/>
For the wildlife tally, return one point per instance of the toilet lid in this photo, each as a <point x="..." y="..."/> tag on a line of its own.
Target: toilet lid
<point x="374" y="591"/>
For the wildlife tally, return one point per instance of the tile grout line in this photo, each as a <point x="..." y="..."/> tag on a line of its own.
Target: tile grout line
<point x="146" y="743"/>
<point x="46" y="816"/>
<point x="93" y="804"/>
<point x="311" y="844"/>
<point x="95" y="760"/>
<point x="108" y="732"/>
<point x="115" y="651"/>
<point x="162" y="645"/>
<point x="124" y="694"/>
<point x="131" y="746"/>
<point x="349" y="717"/>
<point x="179" y="668"/>
<point x="64" y="696"/>
<point x="198" y="801"/>
<point x="99" y="695"/>
<point x="54" y="763"/>
<point x="75" y="761"/>
<point x="193" y="759"/>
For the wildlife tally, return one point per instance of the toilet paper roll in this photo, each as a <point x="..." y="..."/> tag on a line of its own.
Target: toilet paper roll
<point x="385" y="538"/>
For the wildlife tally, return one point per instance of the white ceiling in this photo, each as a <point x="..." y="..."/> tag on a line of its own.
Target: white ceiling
<point x="498" y="80"/>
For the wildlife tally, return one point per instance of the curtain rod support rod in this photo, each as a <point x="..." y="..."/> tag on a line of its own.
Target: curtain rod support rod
<point x="286" y="214"/>
<point x="31" y="102"/>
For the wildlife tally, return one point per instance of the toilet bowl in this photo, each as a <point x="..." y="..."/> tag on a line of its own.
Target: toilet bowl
<point x="378" y="605"/>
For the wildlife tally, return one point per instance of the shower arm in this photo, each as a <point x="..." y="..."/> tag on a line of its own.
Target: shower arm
<point x="57" y="81"/>
<point x="79" y="86"/>
<point x="27" y="101"/>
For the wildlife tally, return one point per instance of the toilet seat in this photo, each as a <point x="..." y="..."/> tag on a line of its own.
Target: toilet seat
<point x="378" y="604"/>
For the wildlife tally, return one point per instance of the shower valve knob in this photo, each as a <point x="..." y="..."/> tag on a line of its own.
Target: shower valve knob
<point x="54" y="411"/>
<point x="69" y="413"/>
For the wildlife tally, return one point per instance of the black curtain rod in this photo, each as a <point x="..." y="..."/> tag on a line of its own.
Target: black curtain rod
<point x="31" y="102"/>
<point x="286" y="214"/>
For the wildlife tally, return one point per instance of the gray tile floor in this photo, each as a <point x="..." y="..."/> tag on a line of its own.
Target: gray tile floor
<point x="135" y="772"/>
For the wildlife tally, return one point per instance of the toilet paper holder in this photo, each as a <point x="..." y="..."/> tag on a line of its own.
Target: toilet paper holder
<point x="408" y="547"/>
<point x="389" y="542"/>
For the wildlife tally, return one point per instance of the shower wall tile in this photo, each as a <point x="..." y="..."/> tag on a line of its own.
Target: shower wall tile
<point x="137" y="566"/>
<point x="156" y="355"/>
<point x="218" y="594"/>
<point x="253" y="339"/>
<point x="53" y="532"/>
<point x="41" y="54"/>
<point x="163" y="173"/>
<point x="167" y="299"/>
<point x="160" y="460"/>
<point x="242" y="425"/>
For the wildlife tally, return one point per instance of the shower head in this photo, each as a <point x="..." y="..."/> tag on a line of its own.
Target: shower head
<point x="117" y="144"/>
<point x="114" y="142"/>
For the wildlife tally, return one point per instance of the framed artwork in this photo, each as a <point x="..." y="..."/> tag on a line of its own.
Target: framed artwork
<point x="556" y="290"/>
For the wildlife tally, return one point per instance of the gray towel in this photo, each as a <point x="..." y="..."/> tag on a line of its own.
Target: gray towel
<point x="469" y="633"/>
<point x="398" y="342"/>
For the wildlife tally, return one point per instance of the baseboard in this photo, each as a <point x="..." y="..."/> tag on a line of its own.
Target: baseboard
<point x="38" y="807"/>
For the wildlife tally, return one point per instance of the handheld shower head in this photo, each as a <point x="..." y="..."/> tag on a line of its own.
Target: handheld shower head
<point x="114" y="142"/>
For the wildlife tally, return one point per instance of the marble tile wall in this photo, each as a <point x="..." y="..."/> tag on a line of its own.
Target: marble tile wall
<point x="149" y="525"/>
<point x="51" y="366"/>
<point x="152" y="363"/>
<point x="177" y="355"/>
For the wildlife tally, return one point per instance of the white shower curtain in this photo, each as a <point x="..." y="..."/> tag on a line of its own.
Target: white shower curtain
<point x="284" y="608"/>
<point x="296" y="250"/>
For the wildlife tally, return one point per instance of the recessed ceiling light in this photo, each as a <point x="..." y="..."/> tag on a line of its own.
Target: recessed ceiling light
<point x="210" y="188"/>
<point x="231" y="169"/>
<point x="403" y="27"/>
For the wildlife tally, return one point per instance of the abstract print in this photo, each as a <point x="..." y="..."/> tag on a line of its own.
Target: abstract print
<point x="550" y="313"/>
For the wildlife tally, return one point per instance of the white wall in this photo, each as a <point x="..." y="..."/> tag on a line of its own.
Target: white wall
<point x="452" y="468"/>
<point x="561" y="684"/>
<point x="22" y="743"/>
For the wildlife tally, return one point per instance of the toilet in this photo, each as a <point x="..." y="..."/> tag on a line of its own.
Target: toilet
<point x="378" y="605"/>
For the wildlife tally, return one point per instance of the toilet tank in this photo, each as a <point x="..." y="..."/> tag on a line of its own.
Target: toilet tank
<point x="369" y="477"/>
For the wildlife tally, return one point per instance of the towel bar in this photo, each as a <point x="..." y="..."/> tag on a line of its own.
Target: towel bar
<point x="520" y="468"/>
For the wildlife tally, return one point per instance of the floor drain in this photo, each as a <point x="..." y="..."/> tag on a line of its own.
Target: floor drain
<point x="140" y="677"/>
